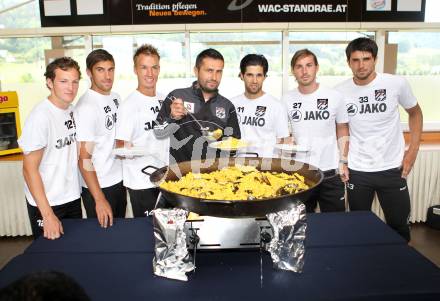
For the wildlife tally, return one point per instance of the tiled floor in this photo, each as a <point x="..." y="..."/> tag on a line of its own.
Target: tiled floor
<point x="424" y="239"/>
<point x="11" y="247"/>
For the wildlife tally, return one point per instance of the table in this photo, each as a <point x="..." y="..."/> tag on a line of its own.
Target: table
<point x="136" y="235"/>
<point x="348" y="256"/>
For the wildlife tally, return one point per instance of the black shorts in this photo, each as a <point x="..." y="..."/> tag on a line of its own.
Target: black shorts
<point x="143" y="200"/>
<point x="330" y="194"/>
<point x="116" y="195"/>
<point x="67" y="210"/>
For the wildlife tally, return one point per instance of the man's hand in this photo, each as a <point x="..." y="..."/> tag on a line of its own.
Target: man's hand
<point x="343" y="172"/>
<point x="177" y="109"/>
<point x="415" y="123"/>
<point x="104" y="213"/>
<point x="52" y="227"/>
<point x="408" y="161"/>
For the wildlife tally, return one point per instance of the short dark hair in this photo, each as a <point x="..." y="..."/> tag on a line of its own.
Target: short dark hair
<point x="145" y="49"/>
<point x="361" y="44"/>
<point x="64" y="63"/>
<point x="254" y="60"/>
<point x="210" y="52"/>
<point x="96" y="56"/>
<point x="45" y="285"/>
<point x="300" y="54"/>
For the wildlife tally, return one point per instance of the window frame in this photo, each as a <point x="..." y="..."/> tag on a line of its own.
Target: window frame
<point x="380" y="30"/>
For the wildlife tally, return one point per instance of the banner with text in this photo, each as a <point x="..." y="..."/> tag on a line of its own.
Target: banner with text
<point x="123" y="12"/>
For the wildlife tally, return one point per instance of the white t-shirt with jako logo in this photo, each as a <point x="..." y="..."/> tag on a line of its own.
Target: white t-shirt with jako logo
<point x="96" y="117"/>
<point x="53" y="129"/>
<point x="136" y="118"/>
<point x="376" y="138"/>
<point x="261" y="121"/>
<point x="313" y="119"/>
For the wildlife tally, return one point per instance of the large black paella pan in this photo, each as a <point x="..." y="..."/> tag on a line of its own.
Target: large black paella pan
<point x="239" y="208"/>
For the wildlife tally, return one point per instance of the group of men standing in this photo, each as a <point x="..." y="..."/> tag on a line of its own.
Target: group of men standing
<point x="364" y="108"/>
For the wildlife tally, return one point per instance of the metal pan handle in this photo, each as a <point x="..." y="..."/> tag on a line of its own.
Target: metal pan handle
<point x="144" y="170"/>
<point x="248" y="154"/>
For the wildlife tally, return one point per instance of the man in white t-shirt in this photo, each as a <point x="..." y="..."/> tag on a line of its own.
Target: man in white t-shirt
<point x="50" y="162"/>
<point x="103" y="194"/>
<point x="262" y="118"/>
<point x="134" y="129"/>
<point x="319" y="121"/>
<point x="377" y="159"/>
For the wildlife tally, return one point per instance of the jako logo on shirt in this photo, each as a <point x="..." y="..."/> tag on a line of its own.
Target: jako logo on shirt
<point x="149" y="125"/>
<point x="295" y="115"/>
<point x="321" y="114"/>
<point x="116" y="102"/>
<point x="352" y="109"/>
<point x="366" y="107"/>
<point x="66" y="141"/>
<point x="316" y="115"/>
<point x="110" y="121"/>
<point x="256" y="120"/>
<point x="110" y="118"/>
<point x="373" y="108"/>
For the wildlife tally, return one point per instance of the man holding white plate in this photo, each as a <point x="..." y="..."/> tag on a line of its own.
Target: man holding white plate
<point x="134" y="132"/>
<point x="319" y="124"/>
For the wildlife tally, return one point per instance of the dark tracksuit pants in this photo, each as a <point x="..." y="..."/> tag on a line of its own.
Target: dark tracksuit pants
<point x="68" y="210"/>
<point x="330" y="194"/>
<point x="116" y="195"/>
<point x="392" y="192"/>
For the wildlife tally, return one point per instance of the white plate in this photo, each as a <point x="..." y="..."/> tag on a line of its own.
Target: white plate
<point x="294" y="148"/>
<point x="135" y="151"/>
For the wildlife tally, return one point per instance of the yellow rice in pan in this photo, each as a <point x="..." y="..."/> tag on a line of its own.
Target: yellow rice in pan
<point x="237" y="183"/>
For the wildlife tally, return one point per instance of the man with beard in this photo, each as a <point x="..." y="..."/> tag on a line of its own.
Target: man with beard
<point x="262" y="118"/>
<point x="377" y="160"/>
<point x="319" y="121"/>
<point x="188" y="111"/>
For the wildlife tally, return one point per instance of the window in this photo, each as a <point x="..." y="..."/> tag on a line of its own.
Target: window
<point x="329" y="48"/>
<point x="19" y="14"/>
<point x="22" y="64"/>
<point x="22" y="61"/>
<point x="22" y="67"/>
<point x="172" y="59"/>
<point x="418" y="59"/>
<point x="233" y="46"/>
<point x="431" y="11"/>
